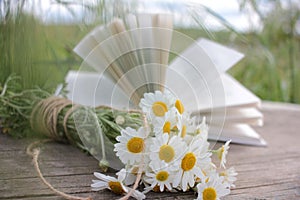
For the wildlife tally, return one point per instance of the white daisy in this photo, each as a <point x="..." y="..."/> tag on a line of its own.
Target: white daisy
<point x="132" y="145"/>
<point x="114" y="184"/>
<point x="160" y="176"/>
<point x="202" y="129"/>
<point x="196" y="158"/>
<point x="207" y="170"/>
<point x="165" y="124"/>
<point x="222" y="152"/>
<point x="185" y="125"/>
<point x="212" y="189"/>
<point x="229" y="176"/>
<point x="156" y="104"/>
<point x="167" y="148"/>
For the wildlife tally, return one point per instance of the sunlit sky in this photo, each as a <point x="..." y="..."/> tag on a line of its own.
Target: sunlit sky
<point x="50" y="12"/>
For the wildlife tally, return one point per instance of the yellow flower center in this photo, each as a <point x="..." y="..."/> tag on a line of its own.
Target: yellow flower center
<point x="183" y="131"/>
<point x="166" y="153"/>
<point x="209" y="194"/>
<point x="188" y="162"/>
<point x="159" y="108"/>
<point x="135" y="145"/>
<point x="116" y="187"/>
<point x="179" y="106"/>
<point x="167" y="127"/>
<point x="162" y="176"/>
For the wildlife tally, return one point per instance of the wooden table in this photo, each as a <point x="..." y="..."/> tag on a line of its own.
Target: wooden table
<point x="264" y="173"/>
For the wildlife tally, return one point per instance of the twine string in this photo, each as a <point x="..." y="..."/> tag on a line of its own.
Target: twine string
<point x="66" y="117"/>
<point x="44" y="119"/>
<point x="45" y="115"/>
<point x="33" y="151"/>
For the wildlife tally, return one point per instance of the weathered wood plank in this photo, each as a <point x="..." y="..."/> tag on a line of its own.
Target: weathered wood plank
<point x="264" y="173"/>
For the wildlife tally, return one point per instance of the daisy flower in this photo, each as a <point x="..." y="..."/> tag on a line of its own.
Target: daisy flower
<point x="213" y="189"/>
<point x="202" y="129"/>
<point x="167" y="148"/>
<point x="196" y="158"/>
<point x="222" y="152"/>
<point x="165" y="124"/>
<point x="114" y="184"/>
<point x="156" y="104"/>
<point x="207" y="171"/>
<point x="185" y="125"/>
<point x="229" y="176"/>
<point x="129" y="177"/>
<point x="132" y="145"/>
<point x="160" y="176"/>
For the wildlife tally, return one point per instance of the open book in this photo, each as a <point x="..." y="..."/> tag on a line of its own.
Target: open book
<point x="125" y="59"/>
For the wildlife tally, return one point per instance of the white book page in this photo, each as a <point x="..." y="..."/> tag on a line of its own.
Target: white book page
<point x="197" y="78"/>
<point x="87" y="88"/>
<point x="189" y="74"/>
<point x="223" y="57"/>
<point x="241" y="133"/>
<point x="162" y="35"/>
<point x="250" y="116"/>
<point x="224" y="92"/>
<point x="238" y="95"/>
<point x="87" y="44"/>
<point x="208" y="58"/>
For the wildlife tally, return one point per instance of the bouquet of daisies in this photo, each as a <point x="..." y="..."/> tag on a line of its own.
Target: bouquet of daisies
<point x="169" y="153"/>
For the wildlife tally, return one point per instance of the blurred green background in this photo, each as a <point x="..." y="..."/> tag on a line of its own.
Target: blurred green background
<point x="41" y="53"/>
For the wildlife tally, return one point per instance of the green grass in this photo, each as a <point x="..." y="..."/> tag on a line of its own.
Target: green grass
<point x="42" y="55"/>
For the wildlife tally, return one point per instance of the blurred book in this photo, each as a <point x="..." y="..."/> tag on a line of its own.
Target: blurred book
<point x="126" y="58"/>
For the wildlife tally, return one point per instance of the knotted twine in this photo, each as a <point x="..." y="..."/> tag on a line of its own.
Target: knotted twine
<point x="44" y="119"/>
<point x="45" y="115"/>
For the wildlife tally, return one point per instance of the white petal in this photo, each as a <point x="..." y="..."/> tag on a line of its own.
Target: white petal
<point x="168" y="185"/>
<point x="177" y="178"/>
<point x="138" y="195"/>
<point x="154" y="183"/>
<point x="124" y="187"/>
<point x="184" y="181"/>
<point x="198" y="172"/>
<point x="99" y="186"/>
<point x="130" y="179"/>
<point x="150" y="174"/>
<point x="121" y="175"/>
<point x="104" y="177"/>
<point x="191" y="182"/>
<point x="165" y="138"/>
<point x="161" y="187"/>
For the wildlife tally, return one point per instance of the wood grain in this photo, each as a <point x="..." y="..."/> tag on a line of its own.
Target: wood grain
<point x="272" y="172"/>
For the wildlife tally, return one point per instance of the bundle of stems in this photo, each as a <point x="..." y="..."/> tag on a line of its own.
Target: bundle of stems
<point x="38" y="113"/>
